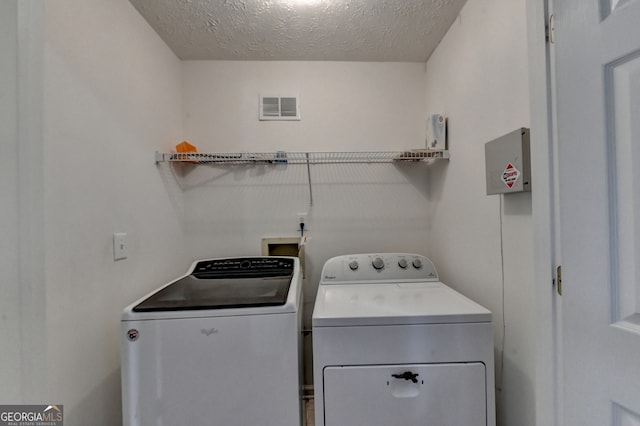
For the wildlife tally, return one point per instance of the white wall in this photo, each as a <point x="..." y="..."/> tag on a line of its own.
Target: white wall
<point x="344" y="106"/>
<point x="112" y="96"/>
<point x="9" y="285"/>
<point x="483" y="245"/>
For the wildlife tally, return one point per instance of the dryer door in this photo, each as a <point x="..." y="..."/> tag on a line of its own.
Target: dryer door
<point x="406" y="395"/>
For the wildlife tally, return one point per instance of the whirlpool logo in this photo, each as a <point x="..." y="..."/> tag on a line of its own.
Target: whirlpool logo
<point x="209" y="331"/>
<point x="31" y="415"/>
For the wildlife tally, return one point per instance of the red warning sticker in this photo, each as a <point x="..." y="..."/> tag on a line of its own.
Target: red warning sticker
<point x="510" y="175"/>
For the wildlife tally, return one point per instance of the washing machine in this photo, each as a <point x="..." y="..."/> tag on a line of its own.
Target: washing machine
<point x="392" y="345"/>
<point x="219" y="346"/>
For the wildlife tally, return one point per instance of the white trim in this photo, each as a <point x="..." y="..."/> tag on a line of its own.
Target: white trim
<point x="33" y="327"/>
<point x="543" y="205"/>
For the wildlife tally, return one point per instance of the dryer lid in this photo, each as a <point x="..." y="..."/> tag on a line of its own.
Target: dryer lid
<point x="394" y="304"/>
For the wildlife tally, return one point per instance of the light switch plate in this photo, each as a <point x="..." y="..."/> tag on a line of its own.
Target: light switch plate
<point x="119" y="245"/>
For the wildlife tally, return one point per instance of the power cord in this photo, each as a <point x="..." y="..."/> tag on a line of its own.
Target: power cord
<point x="504" y="314"/>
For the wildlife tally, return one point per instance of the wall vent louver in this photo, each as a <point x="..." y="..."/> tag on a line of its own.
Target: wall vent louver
<point x="279" y="108"/>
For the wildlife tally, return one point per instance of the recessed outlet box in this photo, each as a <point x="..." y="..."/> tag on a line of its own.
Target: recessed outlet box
<point x="508" y="163"/>
<point x="284" y="246"/>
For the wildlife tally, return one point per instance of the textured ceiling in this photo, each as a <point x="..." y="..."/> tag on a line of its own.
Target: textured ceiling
<point x="327" y="30"/>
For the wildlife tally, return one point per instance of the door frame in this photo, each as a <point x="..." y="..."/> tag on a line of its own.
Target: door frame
<point x="545" y="215"/>
<point x="30" y="204"/>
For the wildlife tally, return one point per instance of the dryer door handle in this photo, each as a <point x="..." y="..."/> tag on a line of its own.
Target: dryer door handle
<point x="407" y="375"/>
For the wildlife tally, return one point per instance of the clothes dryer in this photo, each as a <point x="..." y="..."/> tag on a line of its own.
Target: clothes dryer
<point x="392" y="345"/>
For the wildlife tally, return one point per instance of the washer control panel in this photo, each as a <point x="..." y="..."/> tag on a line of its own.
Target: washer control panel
<point x="239" y="266"/>
<point x="378" y="267"/>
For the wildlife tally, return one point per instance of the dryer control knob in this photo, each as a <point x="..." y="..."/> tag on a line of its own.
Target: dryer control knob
<point x="417" y="263"/>
<point x="353" y="265"/>
<point x="403" y="263"/>
<point x="378" y="263"/>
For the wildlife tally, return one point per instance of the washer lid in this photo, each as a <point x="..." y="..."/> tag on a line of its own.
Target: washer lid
<point x="193" y="293"/>
<point x="394" y="304"/>
<point x="225" y="283"/>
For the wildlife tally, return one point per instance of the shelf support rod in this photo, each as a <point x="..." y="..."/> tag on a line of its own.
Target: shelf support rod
<point x="309" y="179"/>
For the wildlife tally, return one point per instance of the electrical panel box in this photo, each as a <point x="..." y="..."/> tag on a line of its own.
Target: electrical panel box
<point x="508" y="163"/>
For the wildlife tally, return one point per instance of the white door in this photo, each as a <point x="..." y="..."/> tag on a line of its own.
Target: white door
<point x="597" y="60"/>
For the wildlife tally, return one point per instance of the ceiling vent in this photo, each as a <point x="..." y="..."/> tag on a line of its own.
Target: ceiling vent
<point x="279" y="108"/>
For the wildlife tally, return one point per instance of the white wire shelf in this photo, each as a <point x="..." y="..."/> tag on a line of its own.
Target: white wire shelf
<point x="282" y="157"/>
<point x="306" y="158"/>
